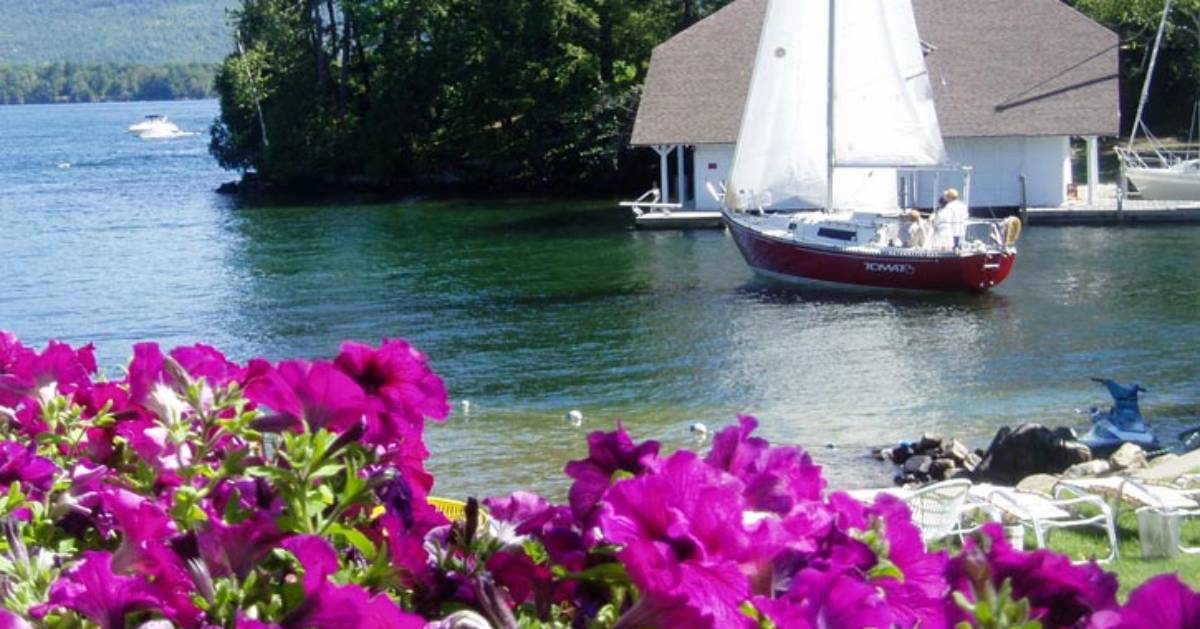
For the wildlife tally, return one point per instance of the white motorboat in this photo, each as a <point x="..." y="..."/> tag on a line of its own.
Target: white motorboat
<point x="1164" y="175"/>
<point x="156" y="126"/>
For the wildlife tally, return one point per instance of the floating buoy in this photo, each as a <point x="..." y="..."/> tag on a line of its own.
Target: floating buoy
<point x="574" y="418"/>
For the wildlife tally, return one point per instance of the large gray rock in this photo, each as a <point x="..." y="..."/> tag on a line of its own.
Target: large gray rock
<point x="1130" y="456"/>
<point x="1029" y="449"/>
<point x="918" y="464"/>
<point x="1088" y="469"/>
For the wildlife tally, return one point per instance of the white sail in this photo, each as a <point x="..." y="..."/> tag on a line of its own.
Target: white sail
<point x="883" y="112"/>
<point x="883" y="102"/>
<point x="780" y="158"/>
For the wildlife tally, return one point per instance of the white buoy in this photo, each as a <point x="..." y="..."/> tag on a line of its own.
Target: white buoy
<point x="465" y="406"/>
<point x="699" y="431"/>
<point x="574" y="418"/>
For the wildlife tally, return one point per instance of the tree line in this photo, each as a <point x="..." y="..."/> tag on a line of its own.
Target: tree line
<point x="495" y="94"/>
<point x="536" y="94"/>
<point x="1175" y="88"/>
<point x="84" y="83"/>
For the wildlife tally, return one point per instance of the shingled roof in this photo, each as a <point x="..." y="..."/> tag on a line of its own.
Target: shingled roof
<point x="1011" y="68"/>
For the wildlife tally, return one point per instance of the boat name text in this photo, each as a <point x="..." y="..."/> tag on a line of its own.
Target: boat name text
<point x="879" y="267"/>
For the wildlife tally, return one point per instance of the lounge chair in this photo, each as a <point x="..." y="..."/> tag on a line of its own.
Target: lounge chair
<point x="937" y="509"/>
<point x="1159" y="508"/>
<point x="1042" y="514"/>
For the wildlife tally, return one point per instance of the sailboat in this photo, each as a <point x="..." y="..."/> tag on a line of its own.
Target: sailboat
<point x="1167" y="176"/>
<point x="839" y="85"/>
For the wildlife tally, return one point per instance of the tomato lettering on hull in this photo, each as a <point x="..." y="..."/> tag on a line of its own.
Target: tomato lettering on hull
<point x="880" y="267"/>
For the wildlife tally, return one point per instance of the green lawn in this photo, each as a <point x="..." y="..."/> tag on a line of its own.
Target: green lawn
<point x="1130" y="567"/>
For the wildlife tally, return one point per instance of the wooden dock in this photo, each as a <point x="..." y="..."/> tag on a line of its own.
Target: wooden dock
<point x="1107" y="211"/>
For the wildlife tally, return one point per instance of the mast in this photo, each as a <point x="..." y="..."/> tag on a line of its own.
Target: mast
<point x="829" y="112"/>
<point x="1137" y="120"/>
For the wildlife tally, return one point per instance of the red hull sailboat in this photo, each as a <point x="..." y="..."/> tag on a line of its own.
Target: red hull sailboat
<point x="873" y="121"/>
<point x="776" y="255"/>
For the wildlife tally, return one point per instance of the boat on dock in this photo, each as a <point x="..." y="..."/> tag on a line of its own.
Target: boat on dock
<point x="1162" y="174"/>
<point x="838" y="87"/>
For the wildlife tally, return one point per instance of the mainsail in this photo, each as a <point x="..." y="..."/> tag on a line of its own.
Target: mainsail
<point x="883" y="111"/>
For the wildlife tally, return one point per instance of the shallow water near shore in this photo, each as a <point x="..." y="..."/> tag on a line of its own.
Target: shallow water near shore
<point x="532" y="308"/>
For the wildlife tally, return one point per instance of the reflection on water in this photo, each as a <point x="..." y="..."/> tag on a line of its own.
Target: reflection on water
<point x="533" y="308"/>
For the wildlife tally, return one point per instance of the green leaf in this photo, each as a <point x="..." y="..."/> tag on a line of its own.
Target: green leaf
<point x="610" y="574"/>
<point x="884" y="568"/>
<point x="355" y="538"/>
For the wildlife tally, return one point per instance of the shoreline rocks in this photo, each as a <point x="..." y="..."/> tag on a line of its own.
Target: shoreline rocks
<point x="930" y="458"/>
<point x="1015" y="454"/>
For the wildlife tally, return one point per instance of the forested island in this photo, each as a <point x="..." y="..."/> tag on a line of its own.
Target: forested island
<point x="505" y="95"/>
<point x="86" y="83"/>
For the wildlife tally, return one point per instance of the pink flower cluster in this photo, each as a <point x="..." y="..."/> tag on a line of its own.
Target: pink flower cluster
<point x="197" y="492"/>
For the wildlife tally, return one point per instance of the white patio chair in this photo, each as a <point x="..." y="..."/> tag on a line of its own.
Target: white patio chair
<point x="1042" y="514"/>
<point x="937" y="509"/>
<point x="1161" y="502"/>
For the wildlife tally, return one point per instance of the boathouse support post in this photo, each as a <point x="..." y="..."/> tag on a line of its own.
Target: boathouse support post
<point x="664" y="188"/>
<point x="679" y="188"/>
<point x="1093" y="167"/>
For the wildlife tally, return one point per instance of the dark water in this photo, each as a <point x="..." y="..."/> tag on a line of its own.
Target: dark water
<point x="530" y="309"/>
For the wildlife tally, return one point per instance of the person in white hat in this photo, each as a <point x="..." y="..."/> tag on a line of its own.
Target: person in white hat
<point x="950" y="221"/>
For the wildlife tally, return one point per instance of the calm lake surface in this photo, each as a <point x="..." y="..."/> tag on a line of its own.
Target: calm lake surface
<point x="530" y="309"/>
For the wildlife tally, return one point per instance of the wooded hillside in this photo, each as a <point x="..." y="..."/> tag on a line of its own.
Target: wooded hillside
<point x="144" y="32"/>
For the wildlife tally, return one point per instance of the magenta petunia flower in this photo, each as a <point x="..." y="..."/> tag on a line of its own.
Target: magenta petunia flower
<point x="9" y="620"/>
<point x="330" y="606"/>
<point x="401" y="388"/>
<point x="776" y="479"/>
<point x="918" y="597"/>
<point x="681" y="534"/>
<point x="608" y="453"/>
<point x="1060" y="593"/>
<point x="93" y="589"/>
<point x="521" y="577"/>
<point x="19" y="463"/>
<point x="234" y="549"/>
<point x="10" y="350"/>
<point x="204" y="361"/>
<point x="528" y="513"/>
<point x="58" y="369"/>
<point x="831" y="600"/>
<point x="1163" y="602"/>
<point x="313" y="395"/>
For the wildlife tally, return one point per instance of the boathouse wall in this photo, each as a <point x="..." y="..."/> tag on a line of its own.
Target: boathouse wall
<point x="1008" y="172"/>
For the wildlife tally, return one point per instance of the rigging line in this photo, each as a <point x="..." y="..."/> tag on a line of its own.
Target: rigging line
<point x="1162" y="25"/>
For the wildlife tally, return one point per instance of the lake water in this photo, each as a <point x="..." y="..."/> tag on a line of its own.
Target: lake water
<point x="533" y="308"/>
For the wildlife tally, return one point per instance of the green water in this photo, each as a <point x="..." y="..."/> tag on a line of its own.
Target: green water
<point x="532" y="308"/>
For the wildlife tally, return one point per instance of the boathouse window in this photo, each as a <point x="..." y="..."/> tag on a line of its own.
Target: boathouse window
<point x="836" y="234"/>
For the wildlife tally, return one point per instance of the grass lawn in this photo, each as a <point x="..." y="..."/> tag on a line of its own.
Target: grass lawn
<point x="1130" y="567"/>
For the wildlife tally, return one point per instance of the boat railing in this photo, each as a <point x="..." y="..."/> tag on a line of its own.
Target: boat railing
<point x="649" y="202"/>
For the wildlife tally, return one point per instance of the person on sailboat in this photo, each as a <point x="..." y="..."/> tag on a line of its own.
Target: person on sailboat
<point x="950" y="221"/>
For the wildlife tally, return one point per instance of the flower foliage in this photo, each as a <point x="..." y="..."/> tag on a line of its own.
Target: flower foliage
<point x="198" y="493"/>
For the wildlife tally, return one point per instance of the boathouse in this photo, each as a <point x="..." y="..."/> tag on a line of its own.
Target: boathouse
<point x="1014" y="82"/>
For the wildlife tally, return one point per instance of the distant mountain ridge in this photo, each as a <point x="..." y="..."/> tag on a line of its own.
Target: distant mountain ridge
<point x="150" y="32"/>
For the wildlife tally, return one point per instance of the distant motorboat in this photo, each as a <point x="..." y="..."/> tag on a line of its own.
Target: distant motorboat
<point x="156" y="127"/>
